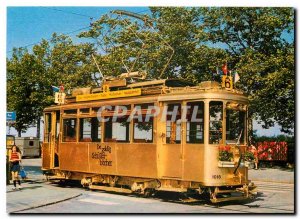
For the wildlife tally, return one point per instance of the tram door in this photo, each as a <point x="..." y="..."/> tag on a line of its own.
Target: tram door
<point x="54" y="139"/>
<point x="171" y="150"/>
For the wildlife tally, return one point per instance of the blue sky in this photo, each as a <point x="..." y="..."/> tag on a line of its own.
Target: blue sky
<point x="27" y="26"/>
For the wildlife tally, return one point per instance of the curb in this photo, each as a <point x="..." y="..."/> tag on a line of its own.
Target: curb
<point x="43" y="205"/>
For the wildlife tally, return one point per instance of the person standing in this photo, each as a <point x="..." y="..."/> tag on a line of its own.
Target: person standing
<point x="15" y="159"/>
<point x="255" y="153"/>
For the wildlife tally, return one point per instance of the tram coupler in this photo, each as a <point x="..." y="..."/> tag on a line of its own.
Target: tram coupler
<point x="224" y="194"/>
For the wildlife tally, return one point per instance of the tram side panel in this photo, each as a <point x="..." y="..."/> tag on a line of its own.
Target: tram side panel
<point x="111" y="158"/>
<point x="73" y="157"/>
<point x="171" y="161"/>
<point x="216" y="174"/>
<point x="137" y="160"/>
<point x="101" y="158"/>
<point x="193" y="162"/>
<point x="46" y="156"/>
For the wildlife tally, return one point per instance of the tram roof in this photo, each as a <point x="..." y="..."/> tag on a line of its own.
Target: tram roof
<point x="165" y="82"/>
<point x="155" y="90"/>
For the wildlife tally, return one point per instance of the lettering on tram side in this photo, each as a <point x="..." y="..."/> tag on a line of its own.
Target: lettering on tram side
<point x="102" y="155"/>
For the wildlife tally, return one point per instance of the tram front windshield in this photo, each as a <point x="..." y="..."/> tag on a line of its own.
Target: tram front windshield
<point x="235" y="123"/>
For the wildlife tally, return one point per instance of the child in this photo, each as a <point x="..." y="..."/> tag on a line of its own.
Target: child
<point x="15" y="159"/>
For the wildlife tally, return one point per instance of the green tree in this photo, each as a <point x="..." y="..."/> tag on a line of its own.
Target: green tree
<point x="257" y="40"/>
<point x="272" y="96"/>
<point x="30" y="76"/>
<point x="253" y="41"/>
<point x="170" y="32"/>
<point x="70" y="64"/>
<point x="21" y="88"/>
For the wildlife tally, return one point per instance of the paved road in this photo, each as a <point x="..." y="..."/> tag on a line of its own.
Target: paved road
<point x="273" y="197"/>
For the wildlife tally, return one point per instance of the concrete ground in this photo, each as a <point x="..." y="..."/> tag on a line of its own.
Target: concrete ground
<point x="276" y="195"/>
<point x="35" y="190"/>
<point x="274" y="174"/>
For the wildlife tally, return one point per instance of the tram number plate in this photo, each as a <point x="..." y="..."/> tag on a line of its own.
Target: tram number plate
<point x="216" y="176"/>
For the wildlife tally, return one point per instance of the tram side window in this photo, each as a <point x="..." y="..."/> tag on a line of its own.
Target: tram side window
<point x="235" y="126"/>
<point x="143" y="130"/>
<point x="47" y="127"/>
<point x="173" y="121"/>
<point x="90" y="130"/>
<point x="215" y="122"/>
<point x="195" y="122"/>
<point x="69" y="134"/>
<point x="143" y="123"/>
<point x="73" y="111"/>
<point x="57" y="124"/>
<point x="116" y="131"/>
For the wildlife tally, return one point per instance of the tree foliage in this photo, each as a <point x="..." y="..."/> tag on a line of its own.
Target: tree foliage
<point x="30" y="76"/>
<point x="257" y="42"/>
<point x="21" y="88"/>
<point x="149" y="45"/>
<point x="189" y="43"/>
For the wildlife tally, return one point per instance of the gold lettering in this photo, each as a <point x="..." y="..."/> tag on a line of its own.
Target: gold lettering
<point x="109" y="94"/>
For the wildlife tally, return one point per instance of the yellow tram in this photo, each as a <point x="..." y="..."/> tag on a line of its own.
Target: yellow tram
<point x="132" y="137"/>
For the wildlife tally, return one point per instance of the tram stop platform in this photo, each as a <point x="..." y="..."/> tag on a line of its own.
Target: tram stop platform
<point x="36" y="191"/>
<point x="35" y="194"/>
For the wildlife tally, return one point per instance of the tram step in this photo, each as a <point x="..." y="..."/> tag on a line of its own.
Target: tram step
<point x="55" y="177"/>
<point x="110" y="189"/>
<point x="171" y="189"/>
<point x="239" y="198"/>
<point x="227" y="191"/>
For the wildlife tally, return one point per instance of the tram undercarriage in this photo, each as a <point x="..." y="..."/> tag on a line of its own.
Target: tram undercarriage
<point x="148" y="187"/>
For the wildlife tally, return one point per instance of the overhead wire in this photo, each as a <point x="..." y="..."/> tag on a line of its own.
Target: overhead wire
<point x="114" y="47"/>
<point x="163" y="40"/>
<point x="68" y="33"/>
<point x="71" y="32"/>
<point x="85" y="15"/>
<point x="68" y="12"/>
<point x="74" y="31"/>
<point x="110" y="43"/>
<point x="73" y="13"/>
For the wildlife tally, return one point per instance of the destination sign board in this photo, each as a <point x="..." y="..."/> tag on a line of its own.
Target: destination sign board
<point x="109" y="95"/>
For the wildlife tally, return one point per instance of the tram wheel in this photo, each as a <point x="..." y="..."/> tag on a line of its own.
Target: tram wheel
<point x="148" y="192"/>
<point x="62" y="183"/>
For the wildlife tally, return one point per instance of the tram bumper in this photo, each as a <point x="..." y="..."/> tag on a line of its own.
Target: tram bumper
<point x="224" y="194"/>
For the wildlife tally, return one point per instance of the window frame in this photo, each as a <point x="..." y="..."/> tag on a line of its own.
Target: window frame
<point x="109" y="114"/>
<point x="47" y="128"/>
<point x="139" y="140"/>
<point x="128" y="124"/>
<point x="197" y="123"/>
<point x="99" y="131"/>
<point x="75" y="129"/>
<point x="221" y="140"/>
<point x="243" y="138"/>
<point x="166" y="126"/>
<point x="143" y="113"/>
